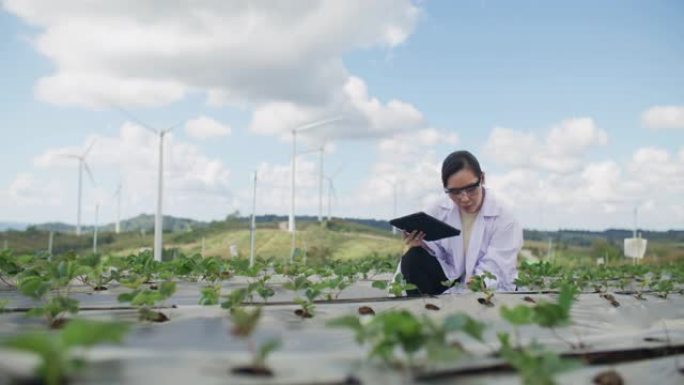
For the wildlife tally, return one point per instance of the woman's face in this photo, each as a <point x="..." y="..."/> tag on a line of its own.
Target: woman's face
<point x="465" y="189"/>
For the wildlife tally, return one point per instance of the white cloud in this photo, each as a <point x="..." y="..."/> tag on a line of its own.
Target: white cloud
<point x="27" y="191"/>
<point x="205" y="128"/>
<point x="362" y="116"/>
<point x="561" y="150"/>
<point x="155" y="52"/>
<point x="663" y="117"/>
<point x="598" y="194"/>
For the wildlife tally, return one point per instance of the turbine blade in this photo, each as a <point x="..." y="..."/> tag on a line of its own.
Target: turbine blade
<point x="69" y="156"/>
<point x="339" y="169"/>
<point x="311" y="125"/>
<point x="136" y="120"/>
<point x="90" y="173"/>
<point x="90" y="147"/>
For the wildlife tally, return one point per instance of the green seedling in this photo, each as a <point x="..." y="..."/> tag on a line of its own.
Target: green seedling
<point x="52" y="290"/>
<point x="235" y="298"/>
<point x="262" y="289"/>
<point x="210" y="295"/>
<point x="146" y="299"/>
<point x="311" y="292"/>
<point x="534" y="364"/>
<point x="98" y="272"/>
<point x="57" y="363"/>
<point x="211" y="270"/>
<point x="10" y="267"/>
<point x="244" y="323"/>
<point x="143" y="265"/>
<point x="545" y="314"/>
<point x="336" y="285"/>
<point x="396" y="331"/>
<point x="187" y="267"/>
<point x="663" y="287"/>
<point x="477" y="284"/>
<point x="397" y="287"/>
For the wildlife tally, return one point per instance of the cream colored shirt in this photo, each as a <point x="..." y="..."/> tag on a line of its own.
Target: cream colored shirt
<point x="467" y="221"/>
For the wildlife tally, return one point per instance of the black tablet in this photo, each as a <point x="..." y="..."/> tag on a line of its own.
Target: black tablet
<point x="433" y="228"/>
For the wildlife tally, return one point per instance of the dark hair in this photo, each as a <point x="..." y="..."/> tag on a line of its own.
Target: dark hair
<point x="457" y="161"/>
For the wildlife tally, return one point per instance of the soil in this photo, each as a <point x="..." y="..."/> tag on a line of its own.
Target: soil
<point x="610" y="377"/>
<point x="58" y="323"/>
<point x="303" y="314"/>
<point x="155" y="316"/>
<point x="430" y="306"/>
<point x="610" y="298"/>
<point x="100" y="288"/>
<point x="257" y="371"/>
<point x="483" y="301"/>
<point x="365" y="310"/>
<point x="529" y="299"/>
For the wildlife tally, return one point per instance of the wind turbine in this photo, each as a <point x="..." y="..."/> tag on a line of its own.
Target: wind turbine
<point x="331" y="190"/>
<point x="82" y="164"/>
<point x="158" y="219"/>
<point x="305" y="127"/>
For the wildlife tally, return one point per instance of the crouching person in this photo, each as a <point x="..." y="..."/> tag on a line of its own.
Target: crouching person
<point x="490" y="236"/>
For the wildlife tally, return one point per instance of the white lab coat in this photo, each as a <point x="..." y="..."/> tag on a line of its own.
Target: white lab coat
<point x="495" y="240"/>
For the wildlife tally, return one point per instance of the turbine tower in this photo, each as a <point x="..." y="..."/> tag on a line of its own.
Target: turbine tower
<point x="117" y="194"/>
<point x="82" y="164"/>
<point x="158" y="218"/>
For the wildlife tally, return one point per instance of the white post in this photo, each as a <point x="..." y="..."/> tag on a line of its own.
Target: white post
<point x="97" y="209"/>
<point x="78" y="210"/>
<point x="292" y="226"/>
<point x="330" y="187"/>
<point x="634" y="232"/>
<point x="158" y="222"/>
<point x="252" y="227"/>
<point x="118" y="211"/>
<point x="320" y="186"/>
<point x="202" y="249"/>
<point x="394" y="209"/>
<point x="50" y="239"/>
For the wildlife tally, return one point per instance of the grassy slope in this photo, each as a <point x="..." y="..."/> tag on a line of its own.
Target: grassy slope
<point x="337" y="240"/>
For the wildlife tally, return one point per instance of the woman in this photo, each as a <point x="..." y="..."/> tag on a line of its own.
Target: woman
<point x="490" y="236"/>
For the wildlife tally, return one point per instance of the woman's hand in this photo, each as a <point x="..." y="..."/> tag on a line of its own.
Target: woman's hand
<point x="414" y="238"/>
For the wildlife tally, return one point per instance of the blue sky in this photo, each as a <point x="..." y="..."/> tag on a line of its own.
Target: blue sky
<point x="575" y="109"/>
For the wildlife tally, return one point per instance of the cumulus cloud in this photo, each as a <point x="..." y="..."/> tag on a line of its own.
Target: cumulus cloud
<point x="362" y="116"/>
<point x="28" y="191"/>
<point x="598" y="194"/>
<point x="205" y="128"/>
<point x="663" y="117"/>
<point x="155" y="52"/>
<point x="560" y="150"/>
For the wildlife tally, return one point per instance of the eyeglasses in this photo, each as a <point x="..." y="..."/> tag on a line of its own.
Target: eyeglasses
<point x="468" y="190"/>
